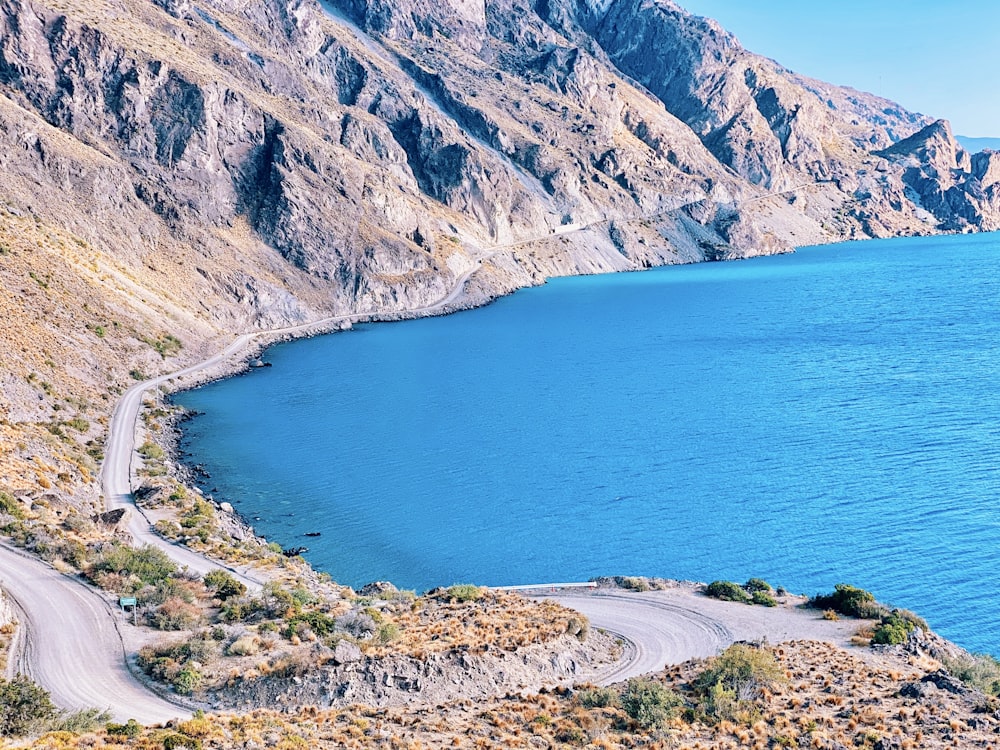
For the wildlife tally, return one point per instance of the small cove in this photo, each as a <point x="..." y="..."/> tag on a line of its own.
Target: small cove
<point x="828" y="416"/>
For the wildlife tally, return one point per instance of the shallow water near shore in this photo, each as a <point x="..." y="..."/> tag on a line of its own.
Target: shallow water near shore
<point x="827" y="416"/>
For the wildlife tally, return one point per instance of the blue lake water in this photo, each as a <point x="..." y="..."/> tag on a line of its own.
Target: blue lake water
<point x="823" y="417"/>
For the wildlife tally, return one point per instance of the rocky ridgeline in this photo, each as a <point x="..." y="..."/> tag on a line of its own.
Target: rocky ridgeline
<point x="371" y="151"/>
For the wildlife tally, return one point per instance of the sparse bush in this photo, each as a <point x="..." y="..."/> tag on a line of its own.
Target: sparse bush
<point x="597" y="697"/>
<point x="357" y="624"/>
<point x="633" y="583"/>
<point x="150" y="451"/>
<point x="166" y="345"/>
<point x="727" y="591"/>
<point x="147" y="563"/>
<point x="24" y="707"/>
<point x="387" y="633"/>
<point x="168" y="588"/>
<point x="223" y="585"/>
<point x="201" y="648"/>
<point x="579" y="627"/>
<point x="243" y="609"/>
<point x="649" y="703"/>
<point x="895" y="627"/>
<point x="735" y="681"/>
<point x="181" y="742"/>
<point x="79" y="424"/>
<point x="247" y="645"/>
<point x="464" y="592"/>
<point x="757" y="584"/>
<point x="981" y="671"/>
<point x="174" y="614"/>
<point x="10" y="506"/>
<point x="318" y="622"/>
<point x="291" y="665"/>
<point x="763" y="598"/>
<point x="130" y="728"/>
<point x="187" y="681"/>
<point x="829" y="614"/>
<point x="849" y="600"/>
<point x="78" y="722"/>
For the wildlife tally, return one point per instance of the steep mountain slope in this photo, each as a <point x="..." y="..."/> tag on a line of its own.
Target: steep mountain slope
<point x="176" y="171"/>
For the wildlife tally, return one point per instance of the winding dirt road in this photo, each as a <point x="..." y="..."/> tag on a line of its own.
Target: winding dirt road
<point x="120" y="447"/>
<point x="73" y="647"/>
<point x="70" y="643"/>
<point x="672" y="626"/>
<point x="69" y="639"/>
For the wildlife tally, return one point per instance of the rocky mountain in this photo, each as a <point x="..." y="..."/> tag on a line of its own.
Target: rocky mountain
<point x="178" y="170"/>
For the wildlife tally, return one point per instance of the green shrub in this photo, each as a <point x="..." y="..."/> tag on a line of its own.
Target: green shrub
<point x="891" y="633"/>
<point x="735" y="681"/>
<point x="763" y="598"/>
<point x="223" y="585"/>
<point x="387" y="632"/>
<point x="649" y="703"/>
<point x="464" y="592"/>
<point x="10" y="506"/>
<point x="150" y="451"/>
<point x="911" y="617"/>
<point x="850" y="601"/>
<point x="319" y="623"/>
<point x="24" y="707"/>
<point x="187" y="681"/>
<point x="895" y="627"/>
<point x="727" y="591"/>
<point x="147" y="563"/>
<point x="633" y="584"/>
<point x="130" y="728"/>
<point x="981" y="671"/>
<point x="181" y="742"/>
<point x="757" y="584"/>
<point x="597" y="697"/>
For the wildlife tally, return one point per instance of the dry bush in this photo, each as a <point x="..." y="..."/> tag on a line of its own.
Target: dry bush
<point x="175" y="614"/>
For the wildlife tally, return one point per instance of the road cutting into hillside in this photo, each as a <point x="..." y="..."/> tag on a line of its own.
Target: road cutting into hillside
<point x="69" y="638"/>
<point x="69" y="642"/>
<point x="120" y="448"/>
<point x="671" y="626"/>
<point x="80" y="658"/>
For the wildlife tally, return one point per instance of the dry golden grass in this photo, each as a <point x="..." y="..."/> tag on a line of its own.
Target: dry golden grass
<point x="870" y="713"/>
<point x="502" y="620"/>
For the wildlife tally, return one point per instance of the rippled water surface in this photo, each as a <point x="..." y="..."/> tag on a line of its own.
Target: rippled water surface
<point x="833" y="415"/>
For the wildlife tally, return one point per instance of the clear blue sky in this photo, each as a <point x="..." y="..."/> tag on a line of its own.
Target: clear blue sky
<point x="941" y="57"/>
